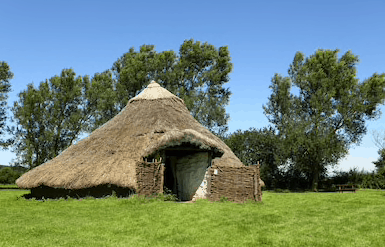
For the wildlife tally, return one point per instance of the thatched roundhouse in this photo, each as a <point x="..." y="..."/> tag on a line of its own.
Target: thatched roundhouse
<point x="153" y="143"/>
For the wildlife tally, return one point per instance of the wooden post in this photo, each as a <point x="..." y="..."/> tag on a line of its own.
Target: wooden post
<point x="161" y="177"/>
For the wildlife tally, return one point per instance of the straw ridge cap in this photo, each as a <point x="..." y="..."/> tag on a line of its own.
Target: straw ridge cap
<point x="153" y="92"/>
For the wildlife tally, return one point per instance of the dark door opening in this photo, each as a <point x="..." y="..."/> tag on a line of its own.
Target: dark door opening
<point x="170" y="180"/>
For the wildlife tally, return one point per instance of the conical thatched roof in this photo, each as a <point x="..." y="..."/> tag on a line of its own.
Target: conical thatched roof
<point x="151" y="121"/>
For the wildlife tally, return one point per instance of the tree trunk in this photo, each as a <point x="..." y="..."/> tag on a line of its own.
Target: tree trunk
<point x="314" y="185"/>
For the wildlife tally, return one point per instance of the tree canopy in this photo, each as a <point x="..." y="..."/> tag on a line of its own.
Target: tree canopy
<point x="380" y="162"/>
<point x="197" y="75"/>
<point x="328" y="114"/>
<point x="379" y="140"/>
<point x="5" y="88"/>
<point x="259" y="145"/>
<point x="50" y="118"/>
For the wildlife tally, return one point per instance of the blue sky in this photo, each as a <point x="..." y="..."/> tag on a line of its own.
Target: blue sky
<point x="40" y="38"/>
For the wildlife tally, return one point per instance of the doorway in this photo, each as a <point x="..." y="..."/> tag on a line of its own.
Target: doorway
<point x="185" y="172"/>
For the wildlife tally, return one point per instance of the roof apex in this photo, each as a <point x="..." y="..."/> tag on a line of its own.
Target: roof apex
<point x="153" y="84"/>
<point x="152" y="92"/>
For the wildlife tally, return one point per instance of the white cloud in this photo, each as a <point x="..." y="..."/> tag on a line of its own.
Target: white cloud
<point x="360" y="162"/>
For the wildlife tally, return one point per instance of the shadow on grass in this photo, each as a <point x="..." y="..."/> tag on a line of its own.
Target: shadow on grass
<point x="101" y="191"/>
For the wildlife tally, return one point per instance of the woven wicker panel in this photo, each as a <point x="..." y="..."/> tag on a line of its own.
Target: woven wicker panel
<point x="235" y="183"/>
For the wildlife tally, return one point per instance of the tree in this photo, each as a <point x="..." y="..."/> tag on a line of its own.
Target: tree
<point x="259" y="145"/>
<point x="328" y="115"/>
<point x="8" y="175"/>
<point x="51" y="117"/>
<point x="380" y="162"/>
<point x="379" y="138"/>
<point x="5" y="88"/>
<point x="197" y="75"/>
<point x="101" y="99"/>
<point x="379" y="141"/>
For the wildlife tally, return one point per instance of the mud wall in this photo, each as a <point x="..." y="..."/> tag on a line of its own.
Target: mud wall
<point x="149" y="177"/>
<point x="202" y="192"/>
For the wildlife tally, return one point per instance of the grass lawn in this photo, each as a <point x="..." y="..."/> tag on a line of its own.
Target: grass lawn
<point x="8" y="186"/>
<point x="287" y="219"/>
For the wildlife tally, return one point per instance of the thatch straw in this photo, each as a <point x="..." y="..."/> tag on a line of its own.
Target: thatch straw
<point x="151" y="121"/>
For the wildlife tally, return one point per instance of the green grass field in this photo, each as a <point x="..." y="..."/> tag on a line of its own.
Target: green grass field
<point x="8" y="186"/>
<point x="285" y="219"/>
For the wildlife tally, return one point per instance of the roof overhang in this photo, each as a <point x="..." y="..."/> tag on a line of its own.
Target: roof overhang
<point x="187" y="139"/>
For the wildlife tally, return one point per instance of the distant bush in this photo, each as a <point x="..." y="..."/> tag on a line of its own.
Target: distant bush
<point x="362" y="179"/>
<point x="374" y="180"/>
<point x="9" y="175"/>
